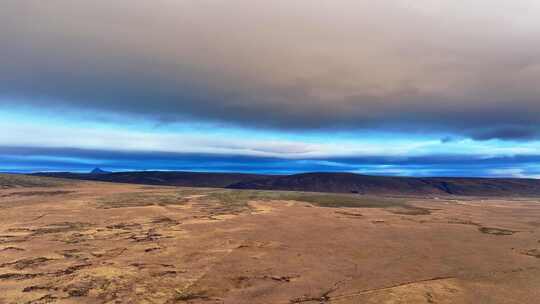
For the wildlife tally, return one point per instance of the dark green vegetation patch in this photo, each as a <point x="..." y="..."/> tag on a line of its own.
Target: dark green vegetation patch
<point x="141" y="199"/>
<point x="496" y="231"/>
<point x="319" y="199"/>
<point x="16" y="181"/>
<point x="225" y="201"/>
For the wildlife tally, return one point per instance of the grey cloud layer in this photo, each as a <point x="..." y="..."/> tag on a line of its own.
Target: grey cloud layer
<point x="434" y="66"/>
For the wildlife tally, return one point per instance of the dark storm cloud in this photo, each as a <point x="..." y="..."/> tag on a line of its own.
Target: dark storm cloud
<point x="470" y="69"/>
<point x="447" y="139"/>
<point x="520" y="133"/>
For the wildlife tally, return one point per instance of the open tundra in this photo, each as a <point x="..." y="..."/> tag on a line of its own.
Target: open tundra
<point x="66" y="241"/>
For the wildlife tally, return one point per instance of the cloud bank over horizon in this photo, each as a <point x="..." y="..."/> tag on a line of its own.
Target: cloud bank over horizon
<point x="407" y="78"/>
<point x="32" y="159"/>
<point x="470" y="69"/>
<point x="56" y="144"/>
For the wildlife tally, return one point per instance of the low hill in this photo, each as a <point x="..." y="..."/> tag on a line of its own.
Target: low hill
<point x="163" y="178"/>
<point x="324" y="182"/>
<point x="8" y="181"/>
<point x="365" y="184"/>
<point x="99" y="171"/>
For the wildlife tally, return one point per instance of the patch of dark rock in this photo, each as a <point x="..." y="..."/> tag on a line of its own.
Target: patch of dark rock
<point x="282" y="278"/>
<point x="304" y="299"/>
<point x="496" y="231"/>
<point x="322" y="298"/>
<point x="27" y="263"/>
<point x="164" y="220"/>
<point x="533" y="252"/>
<point x="19" y="276"/>
<point x="11" y="248"/>
<point x="168" y="273"/>
<point x="39" y="288"/>
<point x="410" y="211"/>
<point x="125" y="226"/>
<point x="241" y="281"/>
<point x="79" y="289"/>
<point x="150" y="236"/>
<point x="60" y="227"/>
<point x="71" y="254"/>
<point x="43" y="300"/>
<point x="167" y="265"/>
<point x="75" y="238"/>
<point x="110" y="253"/>
<point x="12" y="239"/>
<point x="37" y="193"/>
<point x="39" y="217"/>
<point x="78" y="292"/>
<point x="429" y="298"/>
<point x="462" y="222"/>
<point x="139" y="266"/>
<point x="349" y="214"/>
<point x="18" y="230"/>
<point x="188" y="295"/>
<point x="152" y="249"/>
<point x="71" y="270"/>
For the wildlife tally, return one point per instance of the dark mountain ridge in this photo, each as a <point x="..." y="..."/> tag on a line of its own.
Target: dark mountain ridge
<point x="366" y="184"/>
<point x="99" y="171"/>
<point x="323" y="182"/>
<point x="162" y="178"/>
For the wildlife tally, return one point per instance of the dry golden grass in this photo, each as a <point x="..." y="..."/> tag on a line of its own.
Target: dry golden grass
<point x="112" y="243"/>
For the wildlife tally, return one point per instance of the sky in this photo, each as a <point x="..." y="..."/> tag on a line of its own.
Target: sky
<point x="394" y="87"/>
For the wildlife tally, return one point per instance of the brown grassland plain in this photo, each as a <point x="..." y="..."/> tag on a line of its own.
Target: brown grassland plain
<point x="88" y="242"/>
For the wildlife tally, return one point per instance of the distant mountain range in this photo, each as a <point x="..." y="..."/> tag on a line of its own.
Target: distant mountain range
<point x="366" y="184"/>
<point x="99" y="171"/>
<point x="163" y="178"/>
<point x="322" y="182"/>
